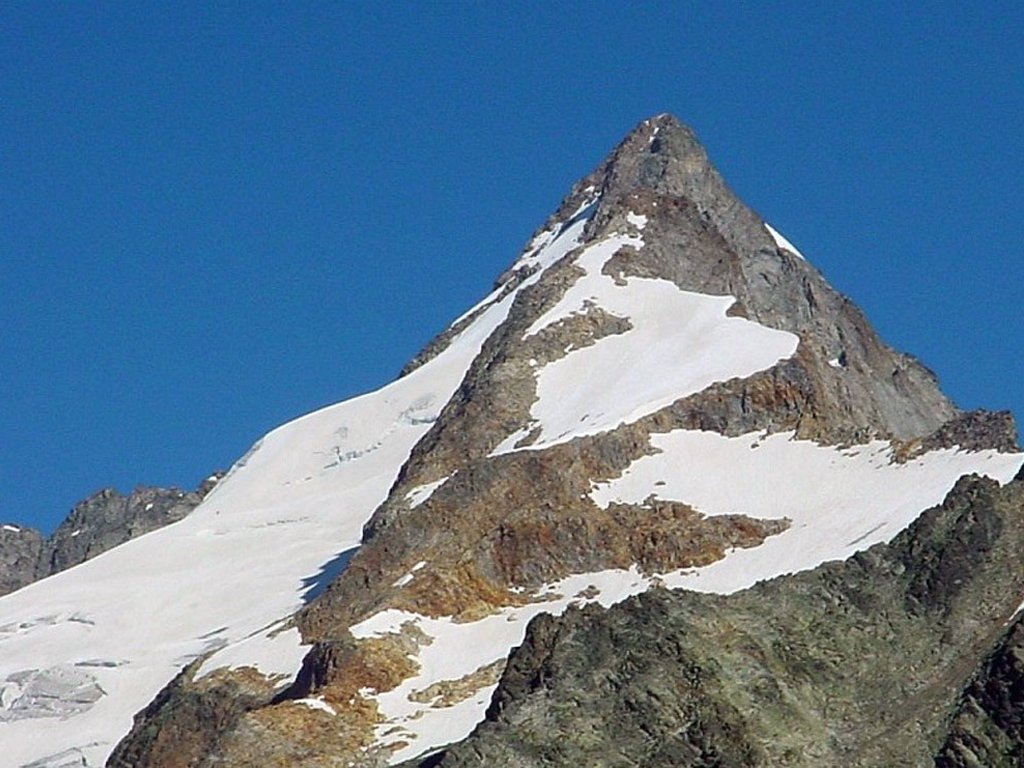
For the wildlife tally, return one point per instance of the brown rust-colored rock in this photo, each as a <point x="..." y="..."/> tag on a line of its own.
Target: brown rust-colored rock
<point x="188" y="719"/>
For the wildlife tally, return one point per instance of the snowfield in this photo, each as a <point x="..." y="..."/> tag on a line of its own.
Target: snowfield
<point x="679" y="343"/>
<point x="82" y="651"/>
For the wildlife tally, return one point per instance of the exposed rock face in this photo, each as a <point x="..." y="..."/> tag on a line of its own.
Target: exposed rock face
<point x="988" y="729"/>
<point x="100" y="522"/>
<point x="109" y="518"/>
<point x="843" y="385"/>
<point x="216" y="704"/>
<point x="19" y="553"/>
<point x="855" y="664"/>
<point x="489" y="511"/>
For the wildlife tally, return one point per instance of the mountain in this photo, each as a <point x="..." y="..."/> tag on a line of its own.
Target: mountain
<point x="96" y="524"/>
<point x="663" y="459"/>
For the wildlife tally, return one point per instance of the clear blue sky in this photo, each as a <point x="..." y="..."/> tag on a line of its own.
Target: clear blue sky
<point x="215" y="217"/>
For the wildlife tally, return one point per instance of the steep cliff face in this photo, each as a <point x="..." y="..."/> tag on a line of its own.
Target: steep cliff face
<point x="665" y="394"/>
<point x="858" y="663"/>
<point x="988" y="727"/>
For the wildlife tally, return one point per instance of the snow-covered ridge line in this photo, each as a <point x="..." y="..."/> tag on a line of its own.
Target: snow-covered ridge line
<point x="543" y="251"/>
<point x="782" y="242"/>
<point x="303" y="493"/>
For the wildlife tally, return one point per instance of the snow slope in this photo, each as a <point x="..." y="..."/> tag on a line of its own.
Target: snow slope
<point x="679" y="342"/>
<point x="83" y="651"/>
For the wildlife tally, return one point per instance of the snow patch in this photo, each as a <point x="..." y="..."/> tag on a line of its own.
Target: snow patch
<point x="782" y="242"/>
<point x="421" y="493"/>
<point x="275" y="653"/>
<point x="637" y="220"/>
<point x="839" y="501"/>
<point x="680" y="343"/>
<point x="12" y="528"/>
<point x="317" y="703"/>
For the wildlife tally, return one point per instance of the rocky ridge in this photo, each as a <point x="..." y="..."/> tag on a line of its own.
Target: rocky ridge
<point x="493" y="518"/>
<point x="102" y="521"/>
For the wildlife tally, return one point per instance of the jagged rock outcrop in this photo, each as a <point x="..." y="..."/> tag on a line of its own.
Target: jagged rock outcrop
<point x="94" y="525"/>
<point x="109" y="518"/>
<point x="20" y="548"/>
<point x="857" y="663"/>
<point x="988" y="729"/>
<point x="216" y="703"/>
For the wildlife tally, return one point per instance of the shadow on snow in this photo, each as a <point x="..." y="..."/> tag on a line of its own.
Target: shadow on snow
<point x="329" y="571"/>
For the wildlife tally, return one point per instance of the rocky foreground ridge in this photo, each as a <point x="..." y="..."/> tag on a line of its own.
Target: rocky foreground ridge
<point x="101" y="522"/>
<point x="667" y="395"/>
<point x="903" y="655"/>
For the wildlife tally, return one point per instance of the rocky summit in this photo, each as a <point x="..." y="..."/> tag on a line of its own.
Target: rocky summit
<point x="663" y="498"/>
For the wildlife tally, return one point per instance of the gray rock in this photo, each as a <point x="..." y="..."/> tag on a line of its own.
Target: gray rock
<point x="20" y="549"/>
<point x="100" y="522"/>
<point x="108" y="518"/>
<point x="988" y="730"/>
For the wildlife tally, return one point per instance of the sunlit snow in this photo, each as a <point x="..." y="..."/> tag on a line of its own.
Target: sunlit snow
<point x="781" y="241"/>
<point x="421" y="493"/>
<point x="267" y="539"/>
<point x="638" y="220"/>
<point x="679" y="343"/>
<point x="838" y="500"/>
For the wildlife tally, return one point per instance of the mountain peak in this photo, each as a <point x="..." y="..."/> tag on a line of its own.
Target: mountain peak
<point x="659" y="392"/>
<point x="661" y="155"/>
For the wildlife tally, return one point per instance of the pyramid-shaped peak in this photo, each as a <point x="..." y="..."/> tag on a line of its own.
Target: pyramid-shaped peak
<point x="661" y="155"/>
<point x="656" y="133"/>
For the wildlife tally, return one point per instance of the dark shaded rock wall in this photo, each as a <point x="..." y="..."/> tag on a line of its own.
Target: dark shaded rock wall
<point x="988" y="730"/>
<point x="19" y="554"/>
